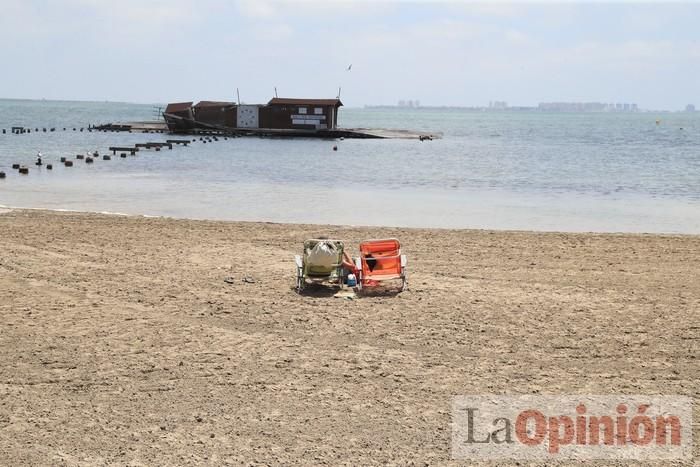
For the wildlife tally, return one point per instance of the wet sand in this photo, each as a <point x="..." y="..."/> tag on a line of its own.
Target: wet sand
<point x="121" y="343"/>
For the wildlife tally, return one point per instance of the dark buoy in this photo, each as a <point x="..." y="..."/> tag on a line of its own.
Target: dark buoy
<point x="335" y="148"/>
<point x="88" y="160"/>
<point x="49" y="166"/>
<point x="122" y="155"/>
<point x="80" y="156"/>
<point x="53" y="129"/>
<point x="15" y="166"/>
<point x="44" y="130"/>
<point x="68" y="163"/>
<point x="63" y="159"/>
<point x="106" y="157"/>
<point x="81" y="129"/>
<point x="2" y="174"/>
<point x="3" y="131"/>
<point x="24" y="170"/>
<point x="157" y="148"/>
<point x="204" y="142"/>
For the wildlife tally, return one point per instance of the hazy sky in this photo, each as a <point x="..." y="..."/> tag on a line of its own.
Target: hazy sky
<point x="459" y="53"/>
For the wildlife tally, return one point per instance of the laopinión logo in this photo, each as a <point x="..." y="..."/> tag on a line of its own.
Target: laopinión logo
<point x="572" y="427"/>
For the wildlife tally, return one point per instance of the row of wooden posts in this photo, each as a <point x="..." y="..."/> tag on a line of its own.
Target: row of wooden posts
<point x="123" y="150"/>
<point x="19" y="130"/>
<point x="115" y="128"/>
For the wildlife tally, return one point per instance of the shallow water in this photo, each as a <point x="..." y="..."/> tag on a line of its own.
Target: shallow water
<point x="508" y="170"/>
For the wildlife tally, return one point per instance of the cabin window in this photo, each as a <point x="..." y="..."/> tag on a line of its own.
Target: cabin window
<point x="302" y="110"/>
<point x="318" y="111"/>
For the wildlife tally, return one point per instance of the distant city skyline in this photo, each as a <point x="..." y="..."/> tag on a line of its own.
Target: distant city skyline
<point x="544" y="106"/>
<point x="438" y="53"/>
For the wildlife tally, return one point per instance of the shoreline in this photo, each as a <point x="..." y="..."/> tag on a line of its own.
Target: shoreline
<point x="4" y="209"/>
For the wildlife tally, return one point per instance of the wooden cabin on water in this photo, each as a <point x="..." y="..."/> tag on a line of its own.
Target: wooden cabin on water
<point x="299" y="116"/>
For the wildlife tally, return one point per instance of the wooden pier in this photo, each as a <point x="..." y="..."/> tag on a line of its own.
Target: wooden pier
<point x="364" y="133"/>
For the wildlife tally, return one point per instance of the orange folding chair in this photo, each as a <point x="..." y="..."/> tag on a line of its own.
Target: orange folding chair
<point x="381" y="260"/>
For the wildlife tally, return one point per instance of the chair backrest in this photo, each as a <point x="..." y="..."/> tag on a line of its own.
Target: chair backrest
<point x="381" y="257"/>
<point x="322" y="269"/>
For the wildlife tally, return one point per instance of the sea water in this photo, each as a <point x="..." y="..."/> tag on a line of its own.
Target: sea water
<point x="603" y="172"/>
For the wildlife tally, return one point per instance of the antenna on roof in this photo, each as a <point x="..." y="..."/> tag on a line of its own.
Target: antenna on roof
<point x="338" y="92"/>
<point x="275" y="91"/>
<point x="238" y="95"/>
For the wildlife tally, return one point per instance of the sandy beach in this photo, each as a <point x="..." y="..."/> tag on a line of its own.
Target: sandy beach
<point x="121" y="342"/>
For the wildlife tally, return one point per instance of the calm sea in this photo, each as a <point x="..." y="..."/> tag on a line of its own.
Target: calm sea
<point x="507" y="170"/>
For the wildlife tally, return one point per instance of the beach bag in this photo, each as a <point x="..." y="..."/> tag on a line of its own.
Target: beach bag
<point x="323" y="256"/>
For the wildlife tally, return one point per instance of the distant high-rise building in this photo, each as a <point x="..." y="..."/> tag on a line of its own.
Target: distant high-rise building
<point x="584" y="107"/>
<point x="690" y="108"/>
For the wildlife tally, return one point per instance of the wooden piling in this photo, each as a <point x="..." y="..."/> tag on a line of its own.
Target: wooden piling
<point x="114" y="149"/>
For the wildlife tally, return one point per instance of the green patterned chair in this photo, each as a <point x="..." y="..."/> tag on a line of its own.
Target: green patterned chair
<point x="322" y="262"/>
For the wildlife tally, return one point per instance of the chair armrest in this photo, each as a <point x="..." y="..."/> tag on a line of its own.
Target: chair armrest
<point x="297" y="260"/>
<point x="403" y="261"/>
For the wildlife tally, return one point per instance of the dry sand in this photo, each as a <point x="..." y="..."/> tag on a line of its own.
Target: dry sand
<point x="122" y="343"/>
